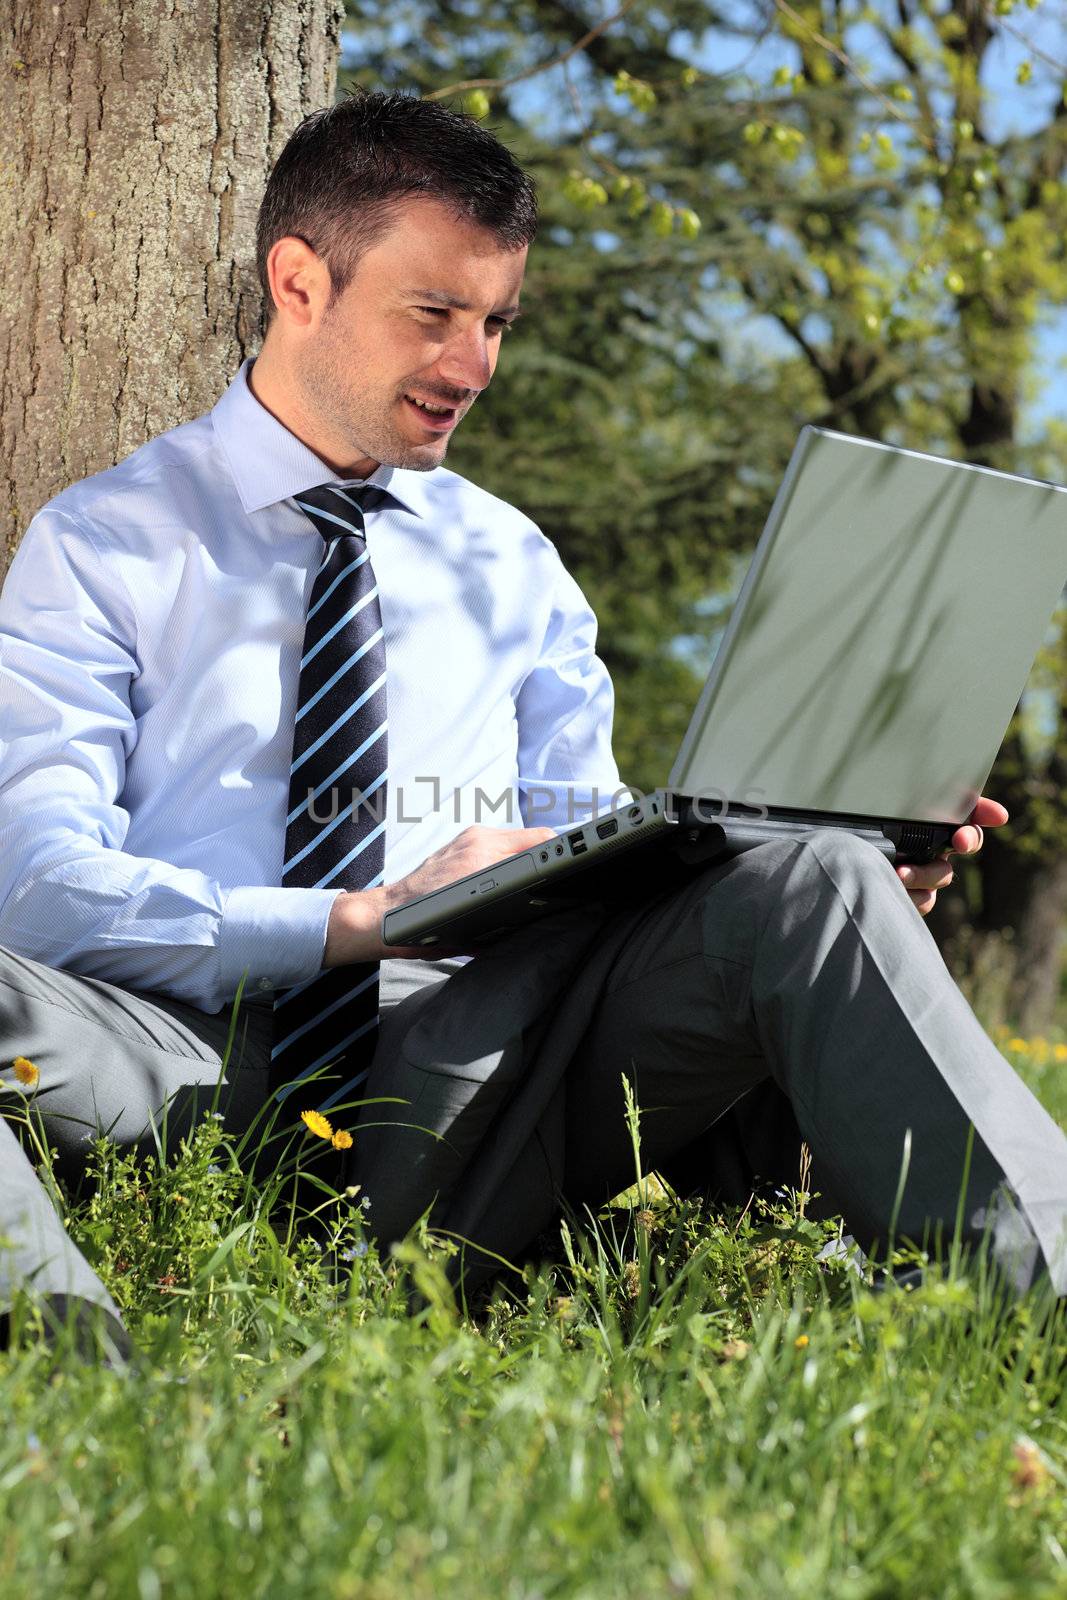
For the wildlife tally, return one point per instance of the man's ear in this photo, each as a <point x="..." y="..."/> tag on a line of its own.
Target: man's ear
<point x="299" y="282"/>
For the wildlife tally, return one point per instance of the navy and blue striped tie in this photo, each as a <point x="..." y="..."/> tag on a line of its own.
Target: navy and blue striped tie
<point x="339" y="751"/>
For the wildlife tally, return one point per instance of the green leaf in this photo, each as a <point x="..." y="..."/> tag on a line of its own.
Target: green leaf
<point x="226" y="1248"/>
<point x="662" y="218"/>
<point x="584" y="191"/>
<point x="641" y="95"/>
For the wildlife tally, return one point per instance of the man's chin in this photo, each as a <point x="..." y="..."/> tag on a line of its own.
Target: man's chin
<point x="416" y="457"/>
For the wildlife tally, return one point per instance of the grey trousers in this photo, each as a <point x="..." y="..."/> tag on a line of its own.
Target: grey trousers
<point x="791" y="993"/>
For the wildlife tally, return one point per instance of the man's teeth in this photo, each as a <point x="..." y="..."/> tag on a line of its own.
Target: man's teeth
<point x="423" y="405"/>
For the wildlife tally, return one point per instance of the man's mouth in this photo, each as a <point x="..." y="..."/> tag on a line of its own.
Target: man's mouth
<point x="433" y="414"/>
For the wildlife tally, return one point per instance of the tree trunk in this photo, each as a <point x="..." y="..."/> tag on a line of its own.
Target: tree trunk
<point x="1038" y="947"/>
<point x="135" y="142"/>
<point x="1008" y="959"/>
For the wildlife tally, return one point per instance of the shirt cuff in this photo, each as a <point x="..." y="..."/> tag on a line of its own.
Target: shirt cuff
<point x="278" y="935"/>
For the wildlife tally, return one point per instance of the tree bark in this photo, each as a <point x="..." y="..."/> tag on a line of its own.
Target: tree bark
<point x="134" y="145"/>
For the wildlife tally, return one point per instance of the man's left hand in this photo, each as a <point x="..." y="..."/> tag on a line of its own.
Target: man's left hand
<point x="923" y="882"/>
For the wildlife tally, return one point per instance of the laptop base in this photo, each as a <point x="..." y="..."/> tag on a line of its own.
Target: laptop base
<point x="635" y="853"/>
<point x="706" y="831"/>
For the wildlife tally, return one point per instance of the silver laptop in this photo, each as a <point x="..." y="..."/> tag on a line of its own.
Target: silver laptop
<point x="880" y="642"/>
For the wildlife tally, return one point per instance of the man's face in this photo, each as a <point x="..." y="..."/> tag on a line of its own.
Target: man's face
<point x="388" y="372"/>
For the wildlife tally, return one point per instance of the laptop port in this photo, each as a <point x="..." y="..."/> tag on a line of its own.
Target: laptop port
<point x="577" y="843"/>
<point x="544" y="855"/>
<point x="634" y="813"/>
<point x="604" y="830"/>
<point x="559" y="849"/>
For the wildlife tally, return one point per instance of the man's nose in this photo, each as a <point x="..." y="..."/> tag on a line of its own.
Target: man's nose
<point x="465" y="362"/>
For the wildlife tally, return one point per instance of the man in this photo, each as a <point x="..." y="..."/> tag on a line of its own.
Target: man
<point x="201" y="785"/>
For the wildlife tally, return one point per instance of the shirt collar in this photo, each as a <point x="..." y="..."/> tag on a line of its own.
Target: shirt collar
<point x="269" y="463"/>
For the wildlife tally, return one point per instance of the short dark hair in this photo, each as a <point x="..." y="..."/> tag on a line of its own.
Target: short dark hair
<point x="345" y="168"/>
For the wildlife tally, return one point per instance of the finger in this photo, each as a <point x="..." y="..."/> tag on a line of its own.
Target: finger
<point x="930" y="875"/>
<point x="969" y="838"/>
<point x="989" y="813"/>
<point x="512" y="841"/>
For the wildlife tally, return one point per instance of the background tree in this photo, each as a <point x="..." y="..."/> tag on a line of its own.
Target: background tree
<point x="134" y="145"/>
<point x="619" y="420"/>
<point x="851" y="182"/>
<point x="910" y="257"/>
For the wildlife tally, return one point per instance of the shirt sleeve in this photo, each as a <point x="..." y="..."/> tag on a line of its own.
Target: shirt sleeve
<point x="565" y="708"/>
<point x="70" y="896"/>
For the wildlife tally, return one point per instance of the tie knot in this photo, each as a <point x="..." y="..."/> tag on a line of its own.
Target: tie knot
<point x="337" y="508"/>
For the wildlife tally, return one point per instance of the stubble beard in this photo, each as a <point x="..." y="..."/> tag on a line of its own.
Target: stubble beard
<point x="395" y="451"/>
<point x="367" y="431"/>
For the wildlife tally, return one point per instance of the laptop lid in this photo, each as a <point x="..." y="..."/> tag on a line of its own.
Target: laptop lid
<point x="882" y="636"/>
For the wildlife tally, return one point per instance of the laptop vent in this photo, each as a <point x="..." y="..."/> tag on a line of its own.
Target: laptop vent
<point x="914" y="837"/>
<point x="622" y="840"/>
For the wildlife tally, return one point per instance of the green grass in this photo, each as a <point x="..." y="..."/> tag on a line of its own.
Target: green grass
<point x="687" y="1404"/>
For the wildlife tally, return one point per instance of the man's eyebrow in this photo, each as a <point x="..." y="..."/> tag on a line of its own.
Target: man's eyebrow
<point x="442" y="299"/>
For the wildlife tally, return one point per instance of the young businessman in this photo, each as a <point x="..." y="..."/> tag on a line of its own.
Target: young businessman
<point x="280" y="669"/>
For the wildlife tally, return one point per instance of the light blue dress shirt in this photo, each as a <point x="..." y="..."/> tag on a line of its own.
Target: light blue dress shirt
<point x="151" y="626"/>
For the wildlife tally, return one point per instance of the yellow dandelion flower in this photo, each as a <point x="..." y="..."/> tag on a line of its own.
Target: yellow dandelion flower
<point x="1020" y="1045"/>
<point x="342" y="1139"/>
<point x="25" y="1072"/>
<point x="802" y="1341"/>
<point x="1060" y="1052"/>
<point x="316" y="1123"/>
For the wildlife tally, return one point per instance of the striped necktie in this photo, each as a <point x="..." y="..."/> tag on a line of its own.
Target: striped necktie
<point x="335" y="830"/>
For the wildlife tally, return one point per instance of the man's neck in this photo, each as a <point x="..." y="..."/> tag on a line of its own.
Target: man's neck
<point x="280" y="395"/>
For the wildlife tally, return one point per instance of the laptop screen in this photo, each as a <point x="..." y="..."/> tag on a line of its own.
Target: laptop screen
<point x="882" y="637"/>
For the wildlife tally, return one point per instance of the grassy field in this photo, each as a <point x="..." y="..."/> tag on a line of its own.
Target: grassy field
<point x="687" y="1404"/>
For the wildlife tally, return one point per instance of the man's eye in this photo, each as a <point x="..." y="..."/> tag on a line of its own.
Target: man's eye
<point x="499" y="324"/>
<point x="433" y="311"/>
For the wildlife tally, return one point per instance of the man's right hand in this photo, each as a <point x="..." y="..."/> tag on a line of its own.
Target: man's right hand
<point x="354" y="932"/>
